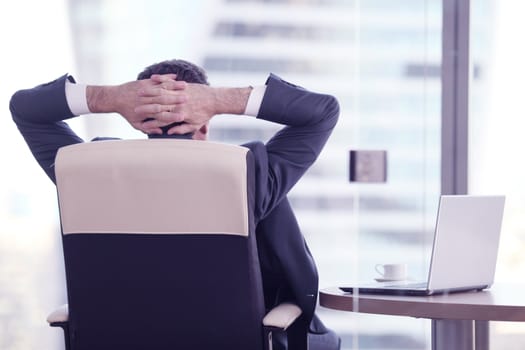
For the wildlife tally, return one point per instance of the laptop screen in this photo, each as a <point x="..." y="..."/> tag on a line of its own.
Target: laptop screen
<point x="466" y="241"/>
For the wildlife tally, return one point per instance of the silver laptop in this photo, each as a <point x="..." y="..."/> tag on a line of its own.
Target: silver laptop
<point x="464" y="252"/>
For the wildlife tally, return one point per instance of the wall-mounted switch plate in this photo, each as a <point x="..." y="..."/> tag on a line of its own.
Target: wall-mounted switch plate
<point x="368" y="166"/>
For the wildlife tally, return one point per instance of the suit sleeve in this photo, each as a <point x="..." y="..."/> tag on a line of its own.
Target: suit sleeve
<point x="39" y="114"/>
<point x="309" y="119"/>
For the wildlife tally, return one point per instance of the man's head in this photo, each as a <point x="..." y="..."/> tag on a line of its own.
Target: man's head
<point x="186" y="71"/>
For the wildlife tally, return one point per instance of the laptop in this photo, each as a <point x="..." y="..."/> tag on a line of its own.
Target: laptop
<point x="464" y="252"/>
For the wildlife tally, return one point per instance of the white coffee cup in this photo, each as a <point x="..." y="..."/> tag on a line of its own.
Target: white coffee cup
<point x="392" y="272"/>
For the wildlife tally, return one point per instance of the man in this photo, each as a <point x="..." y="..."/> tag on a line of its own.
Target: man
<point x="172" y="98"/>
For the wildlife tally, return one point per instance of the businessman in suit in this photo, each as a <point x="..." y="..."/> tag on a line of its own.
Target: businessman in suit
<point x="173" y="98"/>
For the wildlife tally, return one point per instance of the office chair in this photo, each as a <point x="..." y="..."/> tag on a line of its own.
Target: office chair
<point x="159" y="248"/>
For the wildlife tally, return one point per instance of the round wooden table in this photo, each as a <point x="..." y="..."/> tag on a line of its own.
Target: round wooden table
<point x="459" y="320"/>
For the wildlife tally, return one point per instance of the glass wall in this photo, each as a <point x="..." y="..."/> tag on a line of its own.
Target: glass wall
<point x="381" y="59"/>
<point x="496" y="125"/>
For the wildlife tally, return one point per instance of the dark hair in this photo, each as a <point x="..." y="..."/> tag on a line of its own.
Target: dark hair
<point x="186" y="71"/>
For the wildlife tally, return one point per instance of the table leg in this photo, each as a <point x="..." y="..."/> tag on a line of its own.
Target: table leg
<point x="482" y="335"/>
<point x="452" y="335"/>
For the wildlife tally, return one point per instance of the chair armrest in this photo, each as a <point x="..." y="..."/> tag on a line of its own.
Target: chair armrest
<point x="282" y="316"/>
<point x="59" y="316"/>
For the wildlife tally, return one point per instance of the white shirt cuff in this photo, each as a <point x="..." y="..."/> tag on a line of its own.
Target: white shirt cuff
<point x="255" y="100"/>
<point x="76" y="98"/>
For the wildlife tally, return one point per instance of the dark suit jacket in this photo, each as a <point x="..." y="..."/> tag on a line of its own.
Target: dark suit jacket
<point x="288" y="269"/>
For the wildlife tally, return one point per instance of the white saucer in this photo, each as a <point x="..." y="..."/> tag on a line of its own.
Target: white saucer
<point x="388" y="280"/>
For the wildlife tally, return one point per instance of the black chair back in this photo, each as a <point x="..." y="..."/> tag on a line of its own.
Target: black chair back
<point x="159" y="245"/>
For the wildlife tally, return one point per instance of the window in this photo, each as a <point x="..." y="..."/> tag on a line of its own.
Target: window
<point x="496" y="142"/>
<point x="382" y="59"/>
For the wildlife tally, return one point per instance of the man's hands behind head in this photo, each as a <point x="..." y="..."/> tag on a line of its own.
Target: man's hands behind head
<point x="126" y="99"/>
<point x="202" y="103"/>
<point x="162" y="101"/>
